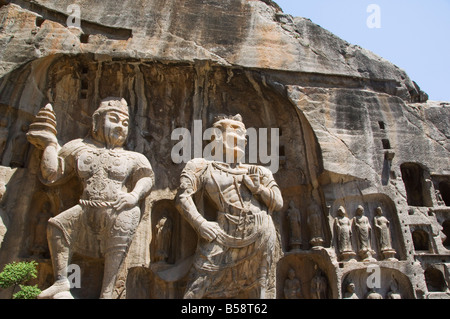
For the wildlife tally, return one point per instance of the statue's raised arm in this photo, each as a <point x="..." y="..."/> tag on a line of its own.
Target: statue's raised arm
<point x="42" y="134"/>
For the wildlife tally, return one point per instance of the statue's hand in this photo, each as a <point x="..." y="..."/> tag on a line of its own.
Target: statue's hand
<point x="125" y="201"/>
<point x="209" y="230"/>
<point x="42" y="139"/>
<point x="253" y="183"/>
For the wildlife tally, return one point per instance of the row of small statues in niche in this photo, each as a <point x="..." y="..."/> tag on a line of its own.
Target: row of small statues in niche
<point x="319" y="288"/>
<point x="343" y="230"/>
<point x="393" y="293"/>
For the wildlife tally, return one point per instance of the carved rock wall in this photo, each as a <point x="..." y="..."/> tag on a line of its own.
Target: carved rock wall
<point x="354" y="130"/>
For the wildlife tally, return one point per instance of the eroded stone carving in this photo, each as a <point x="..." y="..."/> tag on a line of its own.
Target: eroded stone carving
<point x="373" y="294"/>
<point x="364" y="234"/>
<point x="394" y="293"/>
<point x="240" y="246"/>
<point x="343" y="228"/>
<point x="292" y="286"/>
<point x="350" y="291"/>
<point x="439" y="199"/>
<point x="381" y="224"/>
<point x="295" y="238"/>
<point x="163" y="239"/>
<point x="315" y="226"/>
<point x="114" y="182"/>
<point x="319" y="284"/>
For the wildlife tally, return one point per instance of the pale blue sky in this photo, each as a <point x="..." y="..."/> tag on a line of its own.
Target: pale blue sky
<point x="414" y="34"/>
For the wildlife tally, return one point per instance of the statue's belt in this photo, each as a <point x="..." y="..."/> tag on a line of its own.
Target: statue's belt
<point x="95" y="203"/>
<point x="239" y="242"/>
<point x="235" y="242"/>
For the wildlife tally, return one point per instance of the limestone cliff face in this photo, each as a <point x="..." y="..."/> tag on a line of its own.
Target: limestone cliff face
<point x="355" y="129"/>
<point x="242" y="33"/>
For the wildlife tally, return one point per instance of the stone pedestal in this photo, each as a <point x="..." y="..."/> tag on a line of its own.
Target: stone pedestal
<point x="389" y="254"/>
<point x="347" y="256"/>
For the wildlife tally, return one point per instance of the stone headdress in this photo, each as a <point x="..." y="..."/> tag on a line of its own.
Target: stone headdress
<point x="109" y="104"/>
<point x="113" y="104"/>
<point x="218" y="120"/>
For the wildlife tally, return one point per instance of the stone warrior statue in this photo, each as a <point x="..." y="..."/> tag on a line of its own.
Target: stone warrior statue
<point x="237" y="253"/>
<point x="114" y="181"/>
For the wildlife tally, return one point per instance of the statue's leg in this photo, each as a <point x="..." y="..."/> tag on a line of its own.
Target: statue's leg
<point x="116" y="248"/>
<point x="196" y="288"/>
<point x="59" y="243"/>
<point x="113" y="261"/>
<point x="263" y="268"/>
<point x="60" y="254"/>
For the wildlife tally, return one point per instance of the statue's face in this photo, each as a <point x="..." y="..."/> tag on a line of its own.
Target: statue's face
<point x="291" y="274"/>
<point x="360" y="211"/>
<point x="233" y="139"/>
<point x="115" y="128"/>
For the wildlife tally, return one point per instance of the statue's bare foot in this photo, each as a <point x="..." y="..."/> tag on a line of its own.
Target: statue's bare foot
<point x="63" y="295"/>
<point x="60" y="287"/>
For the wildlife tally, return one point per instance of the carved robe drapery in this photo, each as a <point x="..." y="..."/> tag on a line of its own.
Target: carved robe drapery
<point x="247" y="245"/>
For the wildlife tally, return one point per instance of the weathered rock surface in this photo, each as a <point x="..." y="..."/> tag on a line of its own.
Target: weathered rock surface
<point x="243" y="33"/>
<point x="355" y="130"/>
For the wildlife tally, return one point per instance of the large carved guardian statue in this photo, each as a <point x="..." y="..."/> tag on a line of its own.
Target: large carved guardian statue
<point x="114" y="182"/>
<point x="237" y="252"/>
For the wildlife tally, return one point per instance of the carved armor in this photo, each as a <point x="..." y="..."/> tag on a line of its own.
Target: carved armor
<point x="104" y="173"/>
